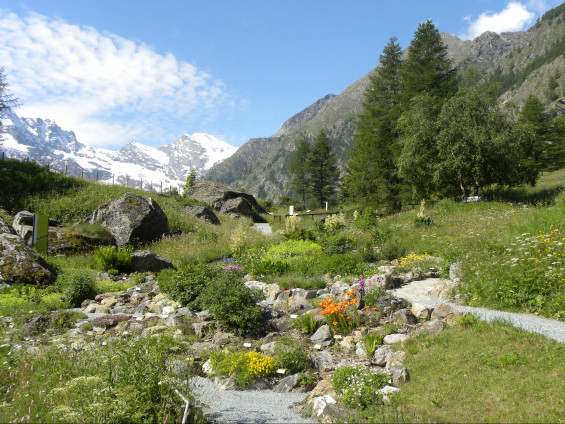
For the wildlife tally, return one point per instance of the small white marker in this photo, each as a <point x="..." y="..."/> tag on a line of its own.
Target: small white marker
<point x="294" y="316"/>
<point x="337" y="337"/>
<point x="281" y="371"/>
<point x="138" y="318"/>
<point x="246" y="344"/>
<point x="318" y="347"/>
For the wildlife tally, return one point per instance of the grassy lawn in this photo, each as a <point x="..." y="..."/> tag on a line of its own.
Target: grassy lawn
<point x="485" y="373"/>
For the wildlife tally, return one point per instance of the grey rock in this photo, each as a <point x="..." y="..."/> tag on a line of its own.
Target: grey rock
<point x="381" y="355"/>
<point x="239" y="206"/>
<point x="174" y="320"/>
<point x="202" y="328"/>
<point x="323" y="361"/>
<point x="268" y="348"/>
<point x="216" y="195"/>
<point x="287" y="384"/>
<point x="322" y="336"/>
<point x="19" y="264"/>
<point x="404" y="317"/>
<point x="132" y="219"/>
<point x="147" y="261"/>
<point x="442" y="311"/>
<point x="395" y="338"/>
<point x="399" y="374"/>
<point x="431" y="327"/>
<point x="339" y="287"/>
<point x="360" y="352"/>
<point x="204" y="315"/>
<point x="203" y="213"/>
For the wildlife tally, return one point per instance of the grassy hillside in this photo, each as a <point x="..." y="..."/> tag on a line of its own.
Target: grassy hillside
<point x="510" y="248"/>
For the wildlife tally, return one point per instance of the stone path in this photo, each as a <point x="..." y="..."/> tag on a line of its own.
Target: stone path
<point x="416" y="292"/>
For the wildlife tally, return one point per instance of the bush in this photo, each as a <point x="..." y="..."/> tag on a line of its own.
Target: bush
<point x="306" y="323"/>
<point x="368" y="219"/>
<point x="110" y="258"/>
<point x="247" y="366"/>
<point x="337" y="244"/>
<point x="185" y="286"/>
<point x="291" y="357"/>
<point x="231" y="303"/>
<point x="78" y="288"/>
<point x="293" y="248"/>
<point x="358" y="385"/>
<point x="393" y="249"/>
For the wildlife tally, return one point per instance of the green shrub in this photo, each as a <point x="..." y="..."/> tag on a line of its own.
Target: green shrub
<point x="358" y="385"/>
<point x="79" y="287"/>
<point x="110" y="258"/>
<point x="337" y="244"/>
<point x="393" y="249"/>
<point x="185" y="286"/>
<point x="291" y="357"/>
<point x="292" y="248"/>
<point x="368" y="219"/>
<point x="247" y="366"/>
<point x="268" y="267"/>
<point x="306" y="323"/>
<point x="231" y="303"/>
<point x="370" y="342"/>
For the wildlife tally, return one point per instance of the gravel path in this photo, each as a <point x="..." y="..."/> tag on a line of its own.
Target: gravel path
<point x="263" y="228"/>
<point x="250" y="406"/>
<point x="416" y="292"/>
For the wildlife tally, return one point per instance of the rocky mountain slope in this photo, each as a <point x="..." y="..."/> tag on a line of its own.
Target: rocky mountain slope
<point x="44" y="141"/>
<point x="525" y="60"/>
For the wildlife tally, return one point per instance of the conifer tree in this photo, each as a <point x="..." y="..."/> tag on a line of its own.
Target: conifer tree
<point x="548" y="152"/>
<point x="7" y="100"/>
<point x="298" y="169"/>
<point x="427" y="68"/>
<point x="371" y="171"/>
<point x="324" y="174"/>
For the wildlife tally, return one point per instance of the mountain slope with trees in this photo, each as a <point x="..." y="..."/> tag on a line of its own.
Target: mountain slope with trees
<point x="261" y="165"/>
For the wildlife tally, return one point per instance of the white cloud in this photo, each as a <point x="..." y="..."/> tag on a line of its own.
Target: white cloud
<point x="513" y="18"/>
<point x="107" y="89"/>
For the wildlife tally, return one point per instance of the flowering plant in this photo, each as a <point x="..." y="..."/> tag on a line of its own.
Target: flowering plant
<point x="358" y="385"/>
<point x="341" y="316"/>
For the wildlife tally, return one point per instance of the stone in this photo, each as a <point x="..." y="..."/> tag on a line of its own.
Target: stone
<point x="399" y="374"/>
<point x="262" y="383"/>
<point x="304" y="294"/>
<point x="404" y="317"/>
<point x="222" y="338"/>
<point x="292" y="305"/>
<point x="287" y="384"/>
<point x="395" y="338"/>
<point x="207" y="367"/>
<point x="154" y="330"/>
<point x="360" y="352"/>
<point x="147" y="261"/>
<point x="347" y="344"/>
<point x="199" y="349"/>
<point x="324" y="387"/>
<point x="339" y="287"/>
<point x="396" y="359"/>
<point x="381" y="355"/>
<point x="204" y="315"/>
<point x="19" y="264"/>
<point x="255" y="285"/>
<point x="281" y="324"/>
<point x="228" y="383"/>
<point x="173" y="321"/>
<point x="442" y="310"/>
<point x="387" y="393"/>
<point x="202" y="328"/>
<point x="421" y="312"/>
<point x="268" y="348"/>
<point x="432" y="327"/>
<point x="390" y="303"/>
<point x="455" y="271"/>
<point x="323" y="361"/>
<point x="239" y="206"/>
<point x="91" y="308"/>
<point x="382" y="281"/>
<point x="322" y="336"/>
<point x="271" y="291"/>
<point x="216" y="194"/>
<point x="203" y="213"/>
<point x="321" y="405"/>
<point x="132" y="219"/>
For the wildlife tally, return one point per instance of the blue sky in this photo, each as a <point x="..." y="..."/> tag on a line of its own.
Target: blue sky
<point x="149" y="71"/>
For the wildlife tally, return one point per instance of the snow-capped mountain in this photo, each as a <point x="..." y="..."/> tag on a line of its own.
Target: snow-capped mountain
<point x="45" y="142"/>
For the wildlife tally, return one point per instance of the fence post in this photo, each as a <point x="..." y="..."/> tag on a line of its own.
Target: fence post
<point x="112" y="179"/>
<point x="65" y="170"/>
<point x="96" y="175"/>
<point x="141" y="184"/>
<point x="127" y="180"/>
<point x="2" y="155"/>
<point x="161" y="187"/>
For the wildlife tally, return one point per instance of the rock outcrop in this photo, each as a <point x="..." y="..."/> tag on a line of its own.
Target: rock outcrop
<point x="19" y="264"/>
<point x="132" y="219"/>
<point x="224" y="199"/>
<point x="203" y="213"/>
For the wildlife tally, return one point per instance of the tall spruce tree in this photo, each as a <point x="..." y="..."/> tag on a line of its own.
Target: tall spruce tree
<point x="7" y="100"/>
<point x="372" y="175"/>
<point x="298" y="169"/>
<point x="428" y="79"/>
<point x="548" y="149"/>
<point x="427" y="68"/>
<point x="324" y="174"/>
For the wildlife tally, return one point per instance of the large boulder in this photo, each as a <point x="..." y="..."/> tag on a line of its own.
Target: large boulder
<point x="147" y="261"/>
<point x="203" y="213"/>
<point x="216" y="195"/>
<point x="18" y="262"/>
<point x="132" y="219"/>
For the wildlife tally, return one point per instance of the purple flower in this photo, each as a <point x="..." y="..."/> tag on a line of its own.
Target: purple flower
<point x="361" y="285"/>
